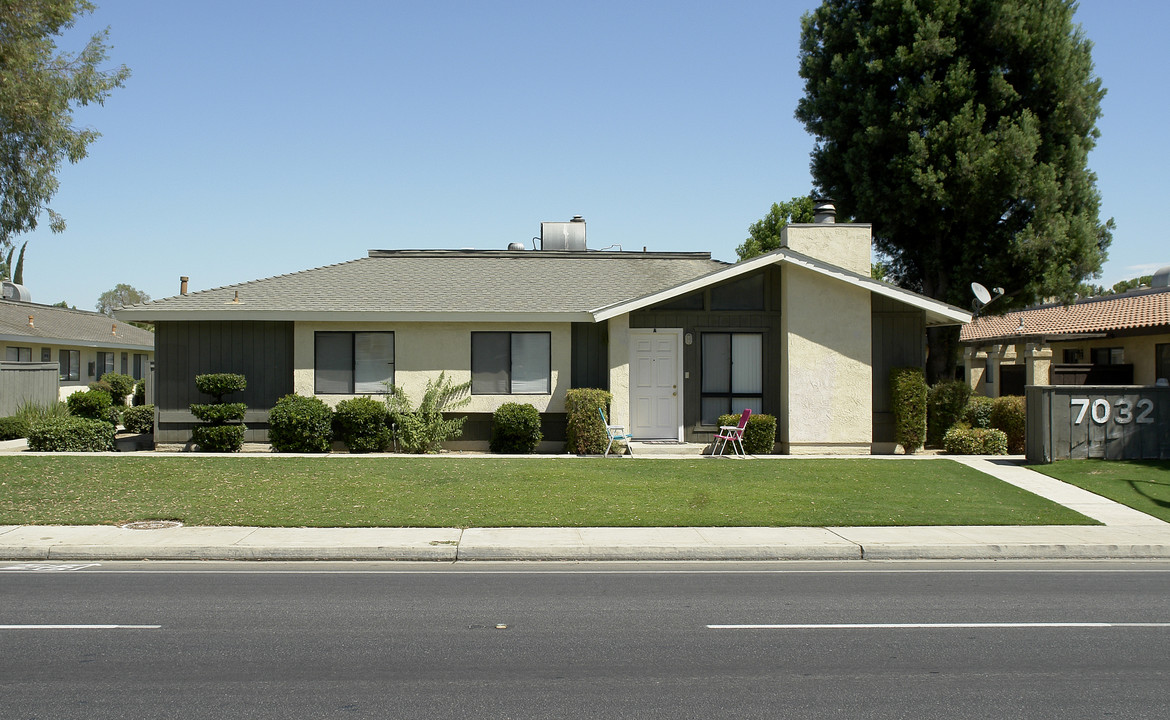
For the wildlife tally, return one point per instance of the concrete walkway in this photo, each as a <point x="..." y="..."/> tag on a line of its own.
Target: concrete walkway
<point x="1126" y="534"/>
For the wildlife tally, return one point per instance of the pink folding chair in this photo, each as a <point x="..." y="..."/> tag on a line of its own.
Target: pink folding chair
<point x="732" y="434"/>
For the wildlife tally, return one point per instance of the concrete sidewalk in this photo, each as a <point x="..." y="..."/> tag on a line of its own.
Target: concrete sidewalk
<point x="1126" y="534"/>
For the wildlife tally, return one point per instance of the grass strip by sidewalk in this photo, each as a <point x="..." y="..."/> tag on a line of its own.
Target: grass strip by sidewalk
<point x="1141" y="484"/>
<point x="500" y="492"/>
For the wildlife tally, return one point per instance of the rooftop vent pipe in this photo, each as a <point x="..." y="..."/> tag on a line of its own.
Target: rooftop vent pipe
<point x="182" y="284"/>
<point x="824" y="211"/>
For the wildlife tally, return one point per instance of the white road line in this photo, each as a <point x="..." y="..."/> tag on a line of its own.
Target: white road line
<point x="80" y="627"/>
<point x="943" y="626"/>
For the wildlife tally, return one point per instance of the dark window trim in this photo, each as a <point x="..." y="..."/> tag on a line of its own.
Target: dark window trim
<point x="101" y="367"/>
<point x="353" y="359"/>
<point x="730" y="394"/>
<point x="72" y="371"/>
<point x="510" y="333"/>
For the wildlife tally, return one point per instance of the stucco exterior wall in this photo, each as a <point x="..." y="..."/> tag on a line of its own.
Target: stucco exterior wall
<point x="87" y="355"/>
<point x="619" y="370"/>
<point x="421" y="350"/>
<point x="846" y="245"/>
<point x="828" y="379"/>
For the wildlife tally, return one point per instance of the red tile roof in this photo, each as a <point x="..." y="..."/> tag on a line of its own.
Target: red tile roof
<point x="1141" y="309"/>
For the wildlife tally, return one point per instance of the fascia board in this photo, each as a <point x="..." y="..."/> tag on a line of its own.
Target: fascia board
<point x="356" y="316"/>
<point x="72" y="342"/>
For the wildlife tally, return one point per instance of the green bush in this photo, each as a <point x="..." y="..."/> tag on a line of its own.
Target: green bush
<point x="139" y="393"/>
<point x="362" y="423"/>
<point x="515" y="429"/>
<point x="139" y="419"/>
<point x="584" y="431"/>
<point x="908" y="398"/>
<point x="220" y="414"/>
<point x="1010" y="414"/>
<point x="300" y="424"/>
<point x="32" y="412"/>
<point x="71" y="434"/>
<point x="219" y="438"/>
<point x="978" y="412"/>
<point x="92" y="404"/>
<point x="945" y="406"/>
<point x="965" y="440"/>
<point x="759" y="437"/>
<point x="13" y="428"/>
<point x="423" y="430"/>
<point x="219" y="384"/>
<point x="119" y="386"/>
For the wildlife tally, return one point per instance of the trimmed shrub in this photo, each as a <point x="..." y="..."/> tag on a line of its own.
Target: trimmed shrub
<point x="516" y="429"/>
<point x="945" y="407"/>
<point x="424" y="430"/>
<point x="1010" y="414"/>
<point x="139" y="393"/>
<point x="908" y="397"/>
<point x="964" y="440"/>
<point x="219" y="384"/>
<point x="978" y="412"/>
<point x="300" y="424"/>
<point x="362" y="423"/>
<point x="759" y="437"/>
<point x="139" y="419"/>
<point x="91" y="404"/>
<point x="220" y="414"/>
<point x="225" y="432"/>
<point x="219" y="438"/>
<point x="71" y="434"/>
<point x="584" y="432"/>
<point x="120" y="386"/>
<point x="13" y="428"/>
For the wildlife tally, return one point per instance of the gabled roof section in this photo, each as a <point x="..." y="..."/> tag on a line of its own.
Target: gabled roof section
<point x="1132" y="311"/>
<point x="62" y="326"/>
<point x="937" y="313"/>
<point x="442" y="285"/>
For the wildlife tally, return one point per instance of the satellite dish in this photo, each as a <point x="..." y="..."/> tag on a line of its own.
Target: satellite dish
<point x="981" y="293"/>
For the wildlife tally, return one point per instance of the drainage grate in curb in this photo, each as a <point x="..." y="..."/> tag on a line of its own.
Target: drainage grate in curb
<point x="152" y="525"/>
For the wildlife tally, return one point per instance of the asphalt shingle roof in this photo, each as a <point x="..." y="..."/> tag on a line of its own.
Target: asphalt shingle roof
<point x="1142" y="309"/>
<point x="64" y="326"/>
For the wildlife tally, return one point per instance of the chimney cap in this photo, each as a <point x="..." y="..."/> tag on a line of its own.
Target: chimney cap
<point x="824" y="211"/>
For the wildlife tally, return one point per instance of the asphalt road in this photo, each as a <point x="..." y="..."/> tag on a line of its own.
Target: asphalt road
<point x="842" y="640"/>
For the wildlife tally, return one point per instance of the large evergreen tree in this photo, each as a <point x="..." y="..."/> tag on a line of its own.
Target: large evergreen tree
<point x="960" y="129"/>
<point x="39" y="87"/>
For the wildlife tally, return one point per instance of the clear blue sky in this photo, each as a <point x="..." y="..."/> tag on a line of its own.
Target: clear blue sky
<point x="261" y="138"/>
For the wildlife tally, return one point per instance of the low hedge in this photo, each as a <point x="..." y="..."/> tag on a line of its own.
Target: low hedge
<point x="584" y="431"/>
<point x="516" y="429"/>
<point x="139" y="419"/>
<point x="13" y="428"/>
<point x="363" y="424"/>
<point x="759" y="437"/>
<point x="964" y="440"/>
<point x="71" y="434"/>
<point x="300" y="424"/>
<point x="1009" y="414"/>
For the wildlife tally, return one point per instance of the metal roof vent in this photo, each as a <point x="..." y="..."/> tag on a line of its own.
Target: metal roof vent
<point x="517" y="246"/>
<point x="1161" y="278"/>
<point x="20" y="293"/>
<point x="563" y="235"/>
<point x="824" y="211"/>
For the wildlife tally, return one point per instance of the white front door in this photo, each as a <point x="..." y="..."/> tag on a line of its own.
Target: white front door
<point x="655" y="383"/>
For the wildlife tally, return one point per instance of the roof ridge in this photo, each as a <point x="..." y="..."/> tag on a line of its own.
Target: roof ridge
<point x="245" y="283"/>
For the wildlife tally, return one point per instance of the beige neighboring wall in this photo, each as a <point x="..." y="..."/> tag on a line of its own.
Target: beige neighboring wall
<point x="619" y="370"/>
<point x="845" y="245"/>
<point x="826" y="365"/>
<point x="422" y="350"/>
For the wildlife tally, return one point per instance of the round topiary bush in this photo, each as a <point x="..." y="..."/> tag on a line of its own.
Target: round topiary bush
<point x="362" y="424"/>
<point x="139" y="419"/>
<point x="92" y="404"/>
<point x="219" y="438"/>
<point x="13" y="428"/>
<point x="300" y="424"/>
<point x="219" y="384"/>
<point x="516" y="429"/>
<point x="71" y="434"/>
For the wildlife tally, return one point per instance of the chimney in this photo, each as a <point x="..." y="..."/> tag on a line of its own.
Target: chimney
<point x="114" y="329"/>
<point x="30" y="317"/>
<point x="182" y="284"/>
<point x="824" y="211"/>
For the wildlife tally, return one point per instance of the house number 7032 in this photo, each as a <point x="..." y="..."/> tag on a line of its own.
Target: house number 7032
<point x="1122" y="411"/>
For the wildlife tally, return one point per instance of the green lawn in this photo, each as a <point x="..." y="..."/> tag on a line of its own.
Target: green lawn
<point x="1141" y="484"/>
<point x="499" y="492"/>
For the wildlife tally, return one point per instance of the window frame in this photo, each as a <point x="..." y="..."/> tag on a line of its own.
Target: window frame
<point x="20" y="350"/>
<point x="353" y="360"/>
<point x="730" y="395"/>
<point x="510" y="362"/>
<point x="98" y="370"/>
<point x="72" y="364"/>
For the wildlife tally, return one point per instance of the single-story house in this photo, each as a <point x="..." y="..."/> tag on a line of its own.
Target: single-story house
<point x="84" y="345"/>
<point x="802" y="333"/>
<point x="1119" y="339"/>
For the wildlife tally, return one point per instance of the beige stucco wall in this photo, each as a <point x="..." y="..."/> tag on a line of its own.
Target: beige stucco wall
<point x="826" y="365"/>
<point x="421" y="350"/>
<point x="619" y="370"/>
<point x="846" y="245"/>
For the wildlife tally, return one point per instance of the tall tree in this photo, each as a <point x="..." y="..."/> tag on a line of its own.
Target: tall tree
<point x="764" y="234"/>
<point x="121" y="296"/>
<point x="39" y="89"/>
<point x="961" y="130"/>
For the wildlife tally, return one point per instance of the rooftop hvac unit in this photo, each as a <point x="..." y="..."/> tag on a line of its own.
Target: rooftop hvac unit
<point x="563" y="235"/>
<point x="12" y="291"/>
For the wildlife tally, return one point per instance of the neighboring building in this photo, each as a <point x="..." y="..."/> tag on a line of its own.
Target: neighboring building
<point x="802" y="333"/>
<point x="85" y="345"/>
<point x="1110" y="340"/>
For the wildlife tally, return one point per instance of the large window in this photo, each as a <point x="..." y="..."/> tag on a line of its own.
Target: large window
<point x="18" y="354"/>
<point x="105" y="363"/>
<point x="733" y="377"/>
<point x="70" y="362"/>
<point x="353" y="363"/>
<point x="511" y="363"/>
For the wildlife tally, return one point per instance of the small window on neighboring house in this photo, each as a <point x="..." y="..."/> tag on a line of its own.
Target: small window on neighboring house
<point x="1108" y="356"/>
<point x="353" y="363"/>
<point x="511" y="363"/>
<point x="18" y="354"/>
<point x="105" y="364"/>
<point x="125" y="364"/>
<point x="46" y="354"/>
<point x="1162" y="361"/>
<point x="70" y="363"/>
<point x="732" y="372"/>
<point x="140" y="366"/>
<point x="1074" y="356"/>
